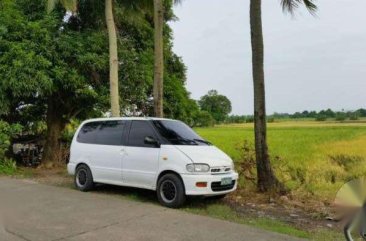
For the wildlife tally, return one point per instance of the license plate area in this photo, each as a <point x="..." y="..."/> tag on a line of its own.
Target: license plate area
<point x="226" y="181"/>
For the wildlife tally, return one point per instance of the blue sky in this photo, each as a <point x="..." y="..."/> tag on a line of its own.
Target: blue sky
<point x="311" y="63"/>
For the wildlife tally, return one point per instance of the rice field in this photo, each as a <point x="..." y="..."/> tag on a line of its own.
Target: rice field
<point x="311" y="158"/>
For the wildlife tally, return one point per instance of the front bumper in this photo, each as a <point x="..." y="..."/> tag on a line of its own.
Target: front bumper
<point x="71" y="168"/>
<point x="190" y="181"/>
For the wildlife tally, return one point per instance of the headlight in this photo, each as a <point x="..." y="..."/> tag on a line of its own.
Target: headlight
<point x="198" y="168"/>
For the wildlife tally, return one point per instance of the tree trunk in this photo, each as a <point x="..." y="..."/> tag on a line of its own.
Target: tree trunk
<point x="52" y="152"/>
<point x="266" y="178"/>
<point x="113" y="59"/>
<point x="159" y="58"/>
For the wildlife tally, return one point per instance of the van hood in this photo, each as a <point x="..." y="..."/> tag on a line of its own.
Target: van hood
<point x="210" y="155"/>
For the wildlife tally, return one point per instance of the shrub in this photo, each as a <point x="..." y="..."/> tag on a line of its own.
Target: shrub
<point x="354" y="116"/>
<point x="270" y="119"/>
<point x="249" y="119"/>
<point x="341" y="117"/>
<point x="247" y="162"/>
<point x="203" y="119"/>
<point x="7" y="166"/>
<point x="321" y="118"/>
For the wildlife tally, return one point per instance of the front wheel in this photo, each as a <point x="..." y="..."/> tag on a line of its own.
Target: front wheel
<point x="170" y="191"/>
<point x="83" y="178"/>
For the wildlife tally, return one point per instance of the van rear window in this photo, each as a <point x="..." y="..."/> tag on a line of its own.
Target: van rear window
<point x="102" y="133"/>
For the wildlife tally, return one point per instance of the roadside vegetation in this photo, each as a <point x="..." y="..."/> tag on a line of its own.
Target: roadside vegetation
<point x="7" y="132"/>
<point x="312" y="159"/>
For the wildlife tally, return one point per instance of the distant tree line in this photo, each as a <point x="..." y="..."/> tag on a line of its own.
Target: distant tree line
<point x="322" y="115"/>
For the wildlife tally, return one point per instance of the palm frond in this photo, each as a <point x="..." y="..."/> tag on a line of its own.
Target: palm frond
<point x="291" y="5"/>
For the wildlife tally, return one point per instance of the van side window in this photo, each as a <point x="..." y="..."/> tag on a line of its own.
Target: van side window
<point x="110" y="133"/>
<point x="138" y="132"/>
<point x="102" y="133"/>
<point x="87" y="133"/>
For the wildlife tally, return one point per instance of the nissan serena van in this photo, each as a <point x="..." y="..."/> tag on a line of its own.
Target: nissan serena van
<point x="152" y="153"/>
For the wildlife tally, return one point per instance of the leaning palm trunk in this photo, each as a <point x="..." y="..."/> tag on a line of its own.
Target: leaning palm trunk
<point x="266" y="178"/>
<point x="113" y="59"/>
<point x="159" y="58"/>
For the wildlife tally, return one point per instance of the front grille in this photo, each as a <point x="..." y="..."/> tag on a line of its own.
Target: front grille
<point x="217" y="187"/>
<point x="219" y="170"/>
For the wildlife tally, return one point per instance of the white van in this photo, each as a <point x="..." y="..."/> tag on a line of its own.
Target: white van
<point x="152" y="153"/>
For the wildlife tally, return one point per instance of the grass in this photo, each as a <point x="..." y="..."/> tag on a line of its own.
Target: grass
<point x="224" y="212"/>
<point x="7" y="167"/>
<point x="307" y="151"/>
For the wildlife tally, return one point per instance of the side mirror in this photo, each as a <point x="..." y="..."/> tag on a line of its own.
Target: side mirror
<point x="149" y="140"/>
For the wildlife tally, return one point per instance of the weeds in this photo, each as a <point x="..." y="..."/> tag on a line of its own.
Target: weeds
<point x="8" y="167"/>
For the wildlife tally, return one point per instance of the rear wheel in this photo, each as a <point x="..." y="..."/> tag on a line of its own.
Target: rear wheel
<point x="170" y="191"/>
<point x="83" y="178"/>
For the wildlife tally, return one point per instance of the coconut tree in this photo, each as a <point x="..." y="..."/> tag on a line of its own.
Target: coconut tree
<point x="158" y="87"/>
<point x="266" y="179"/>
<point x="113" y="59"/>
<point x="158" y="58"/>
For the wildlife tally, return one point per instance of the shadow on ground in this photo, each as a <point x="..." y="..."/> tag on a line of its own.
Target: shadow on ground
<point x="149" y="196"/>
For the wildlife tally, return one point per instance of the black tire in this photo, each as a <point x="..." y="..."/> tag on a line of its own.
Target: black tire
<point x="83" y="178"/>
<point x="170" y="191"/>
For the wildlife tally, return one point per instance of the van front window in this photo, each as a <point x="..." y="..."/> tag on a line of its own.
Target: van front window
<point x="178" y="133"/>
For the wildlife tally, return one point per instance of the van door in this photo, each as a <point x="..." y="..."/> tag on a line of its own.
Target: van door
<point x="141" y="160"/>
<point x="104" y="151"/>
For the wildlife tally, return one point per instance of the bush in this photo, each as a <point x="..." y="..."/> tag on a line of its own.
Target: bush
<point x="321" y="118"/>
<point x="203" y="119"/>
<point x="354" y="116"/>
<point x="250" y="119"/>
<point x="270" y="119"/>
<point x="7" y="166"/>
<point x="341" y="117"/>
<point x="247" y="162"/>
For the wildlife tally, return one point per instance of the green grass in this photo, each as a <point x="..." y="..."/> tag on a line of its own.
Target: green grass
<point x="7" y="167"/>
<point x="224" y="212"/>
<point x="306" y="149"/>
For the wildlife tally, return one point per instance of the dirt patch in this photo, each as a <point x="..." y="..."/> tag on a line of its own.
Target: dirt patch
<point x="304" y="215"/>
<point x="57" y="176"/>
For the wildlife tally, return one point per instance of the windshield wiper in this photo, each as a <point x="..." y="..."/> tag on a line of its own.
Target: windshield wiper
<point x="185" y="140"/>
<point x="202" y="141"/>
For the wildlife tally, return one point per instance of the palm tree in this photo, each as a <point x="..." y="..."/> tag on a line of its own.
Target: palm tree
<point x="71" y="5"/>
<point x="266" y="179"/>
<point x="158" y="58"/>
<point x="113" y="59"/>
<point x="158" y="88"/>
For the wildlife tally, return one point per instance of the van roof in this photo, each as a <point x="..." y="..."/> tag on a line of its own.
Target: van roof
<point x="125" y="118"/>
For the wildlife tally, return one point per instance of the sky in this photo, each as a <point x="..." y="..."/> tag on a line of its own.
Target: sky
<point x="311" y="63"/>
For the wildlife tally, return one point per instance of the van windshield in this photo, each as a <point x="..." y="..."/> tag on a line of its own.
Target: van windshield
<point x="178" y="133"/>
